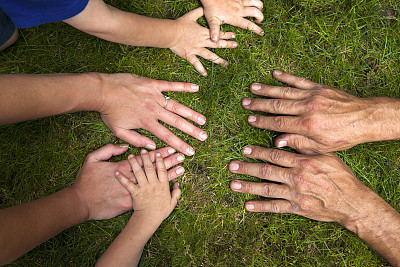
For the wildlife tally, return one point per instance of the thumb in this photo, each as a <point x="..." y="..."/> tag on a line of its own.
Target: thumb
<point x="214" y="25"/>
<point x="106" y="152"/>
<point x="298" y="142"/>
<point x="136" y="139"/>
<point x="195" y="14"/>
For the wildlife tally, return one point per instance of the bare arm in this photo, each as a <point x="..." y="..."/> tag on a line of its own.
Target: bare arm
<point x="322" y="188"/>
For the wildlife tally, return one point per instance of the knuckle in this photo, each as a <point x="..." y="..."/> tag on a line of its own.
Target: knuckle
<point x="277" y="105"/>
<point x="316" y="103"/>
<point x="168" y="138"/>
<point x="274" y="207"/>
<point x="265" y="171"/>
<point x="310" y="124"/>
<point x="279" y="122"/>
<point x="275" y="155"/>
<point x="175" y="107"/>
<point x="287" y="91"/>
<point x="150" y="106"/>
<point x="178" y="122"/>
<point x="268" y="190"/>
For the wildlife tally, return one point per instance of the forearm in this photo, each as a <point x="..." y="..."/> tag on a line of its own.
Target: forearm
<point x="25" y="226"/>
<point x="24" y="97"/>
<point x="118" y="26"/>
<point x="380" y="228"/>
<point x="127" y="248"/>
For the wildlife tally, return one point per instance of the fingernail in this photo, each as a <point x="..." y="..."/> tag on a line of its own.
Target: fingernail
<point x="233" y="36"/>
<point x="158" y="154"/>
<point x="246" y="102"/>
<point x="262" y="33"/>
<point x="256" y="86"/>
<point x="205" y="73"/>
<point x="236" y="185"/>
<point x="130" y="156"/>
<point x="171" y="151"/>
<point x="190" y="151"/>
<point x="235" y="45"/>
<point x="234" y="166"/>
<point x="202" y="120"/>
<point x="180" y="158"/>
<point x="247" y="150"/>
<point x="143" y="151"/>
<point x="180" y="170"/>
<point x="203" y="136"/>
<point x="278" y="72"/>
<point x="282" y="143"/>
<point x="250" y="206"/>
<point x="123" y="145"/>
<point x="150" y="146"/>
<point x="116" y="174"/>
<point x="194" y="87"/>
<point x="214" y="38"/>
<point x="252" y="118"/>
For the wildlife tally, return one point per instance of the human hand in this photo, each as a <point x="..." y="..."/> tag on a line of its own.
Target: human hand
<point x="97" y="188"/>
<point x="232" y="12"/>
<point x="151" y="197"/>
<point x="131" y="102"/>
<point x="317" y="118"/>
<point x="319" y="187"/>
<point x="192" y="39"/>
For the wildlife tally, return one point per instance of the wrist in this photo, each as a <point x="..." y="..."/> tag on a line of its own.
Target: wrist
<point x="81" y="209"/>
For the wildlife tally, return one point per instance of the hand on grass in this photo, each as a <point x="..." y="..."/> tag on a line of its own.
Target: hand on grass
<point x="192" y="39"/>
<point x="152" y="199"/>
<point x="232" y="12"/>
<point x="137" y="102"/>
<point x="317" y="118"/>
<point x="101" y="193"/>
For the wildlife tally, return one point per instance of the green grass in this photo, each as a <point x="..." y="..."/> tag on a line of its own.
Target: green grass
<point x="351" y="45"/>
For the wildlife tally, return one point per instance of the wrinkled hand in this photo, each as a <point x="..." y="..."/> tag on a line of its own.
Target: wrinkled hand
<point x="137" y="102"/>
<point x="232" y="12"/>
<point x="319" y="187"/>
<point x="151" y="197"/>
<point x="101" y="194"/>
<point x="192" y="39"/>
<point x="317" y="118"/>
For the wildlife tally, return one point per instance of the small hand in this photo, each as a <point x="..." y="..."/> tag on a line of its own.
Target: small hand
<point x="317" y="118"/>
<point x="97" y="188"/>
<point x="151" y="197"/>
<point x="232" y="12"/>
<point x="192" y="39"/>
<point x="137" y="102"/>
<point x="319" y="187"/>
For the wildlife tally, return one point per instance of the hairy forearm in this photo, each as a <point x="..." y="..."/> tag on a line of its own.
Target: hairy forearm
<point x="25" y="226"/>
<point x="127" y="248"/>
<point x="118" y="26"/>
<point x="24" y="97"/>
<point x="380" y="228"/>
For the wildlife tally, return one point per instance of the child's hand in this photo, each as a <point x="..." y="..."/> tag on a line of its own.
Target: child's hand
<point x="232" y="12"/>
<point x="151" y="197"/>
<point x="192" y="39"/>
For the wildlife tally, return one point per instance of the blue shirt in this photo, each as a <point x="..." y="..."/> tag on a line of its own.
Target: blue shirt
<point x="29" y="13"/>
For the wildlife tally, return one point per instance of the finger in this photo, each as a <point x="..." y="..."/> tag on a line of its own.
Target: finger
<point x="165" y="86"/>
<point x="149" y="167"/>
<point x="184" y="126"/>
<point x="127" y="183"/>
<point x="197" y="64"/>
<point x="273" y="206"/>
<point x="275" y="106"/>
<point x="106" y="152"/>
<point x="136" y="139"/>
<point x="261" y="189"/>
<point x="195" y="14"/>
<point x="173" y="160"/>
<point x="137" y="170"/>
<point x="214" y="24"/>
<point x="165" y="152"/>
<point x="175" y="173"/>
<point x="278" y="91"/>
<point x="298" y="82"/>
<point x="175" y="194"/>
<point x="261" y="170"/>
<point x="277" y="123"/>
<point x="170" y="139"/>
<point x="256" y="3"/>
<point x="248" y="25"/>
<point x="161" y="169"/>
<point x="185" y="112"/>
<point x="253" y="12"/>
<point x="275" y="156"/>
<point x="226" y="35"/>
<point x="301" y="143"/>
<point x="223" y="44"/>
<point x="207" y="54"/>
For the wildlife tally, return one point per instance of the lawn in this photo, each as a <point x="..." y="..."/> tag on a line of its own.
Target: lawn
<point x="351" y="45"/>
